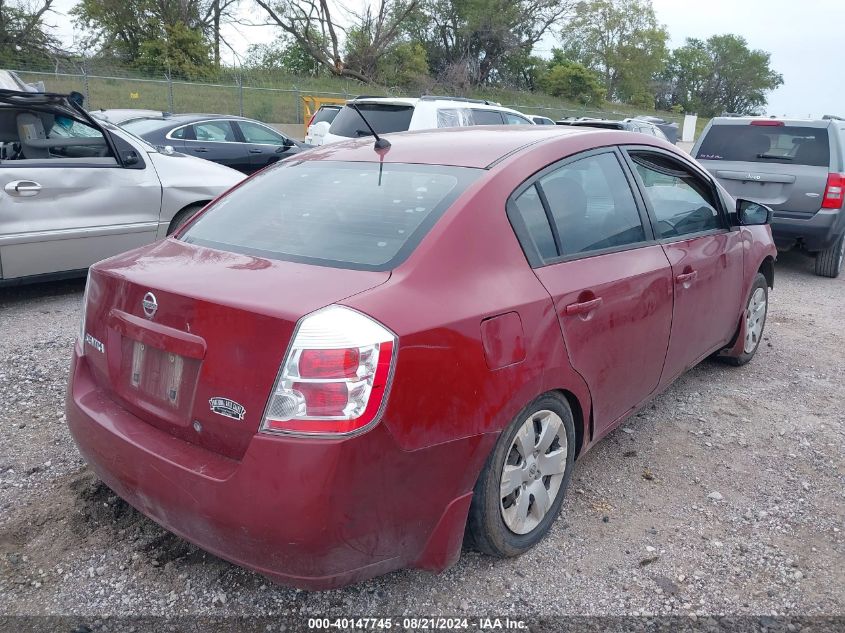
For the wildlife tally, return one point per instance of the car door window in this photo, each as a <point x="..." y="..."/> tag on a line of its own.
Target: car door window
<point x="592" y="205"/>
<point x="515" y="119"/>
<point x="533" y="214"/>
<point x="215" y="131"/>
<point x="254" y="133"/>
<point x="682" y="202"/>
<point x="486" y="117"/>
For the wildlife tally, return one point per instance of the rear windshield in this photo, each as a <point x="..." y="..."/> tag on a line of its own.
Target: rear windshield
<point x="783" y="144"/>
<point x="363" y="216"/>
<point x="325" y="114"/>
<point x="383" y="117"/>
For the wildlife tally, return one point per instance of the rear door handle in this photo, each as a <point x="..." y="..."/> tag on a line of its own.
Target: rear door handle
<point x="22" y="188"/>
<point x="687" y="278"/>
<point x="201" y="150"/>
<point x="582" y="308"/>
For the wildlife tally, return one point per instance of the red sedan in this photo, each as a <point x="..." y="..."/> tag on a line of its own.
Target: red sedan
<point x="340" y="365"/>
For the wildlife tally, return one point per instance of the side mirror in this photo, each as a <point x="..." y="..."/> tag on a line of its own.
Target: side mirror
<point x="750" y="213"/>
<point x="289" y="142"/>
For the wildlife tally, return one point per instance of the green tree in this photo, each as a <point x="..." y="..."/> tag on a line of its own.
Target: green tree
<point x="283" y="55"/>
<point x="24" y="35"/>
<point x="574" y="82"/>
<point x="476" y="42"/>
<point x="155" y="32"/>
<point x="404" y="65"/>
<point x="719" y="75"/>
<point x="622" y="41"/>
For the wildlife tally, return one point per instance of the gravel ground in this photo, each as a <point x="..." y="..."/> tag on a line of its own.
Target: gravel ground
<point x="725" y="495"/>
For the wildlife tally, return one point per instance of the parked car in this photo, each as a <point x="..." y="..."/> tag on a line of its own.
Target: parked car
<point x="328" y="383"/>
<point x="235" y="142"/>
<point x="76" y="190"/>
<point x="796" y="166"/>
<point x="319" y="124"/>
<point x="389" y="114"/>
<point x="632" y="125"/>
<point x="542" y="120"/>
<point x="669" y="128"/>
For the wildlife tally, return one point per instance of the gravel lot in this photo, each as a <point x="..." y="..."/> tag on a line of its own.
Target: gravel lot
<point x="726" y="495"/>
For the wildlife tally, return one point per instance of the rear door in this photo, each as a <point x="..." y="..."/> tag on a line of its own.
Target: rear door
<point x="73" y="206"/>
<point x="218" y="141"/>
<point x="610" y="281"/>
<point x="706" y="255"/>
<point x="784" y="166"/>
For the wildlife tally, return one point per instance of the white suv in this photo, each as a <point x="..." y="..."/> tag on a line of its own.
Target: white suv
<point x="399" y="114"/>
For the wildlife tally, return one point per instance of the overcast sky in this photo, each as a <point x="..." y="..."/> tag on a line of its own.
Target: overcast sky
<point x="805" y="38"/>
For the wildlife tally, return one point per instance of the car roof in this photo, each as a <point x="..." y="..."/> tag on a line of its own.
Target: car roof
<point x="456" y="102"/>
<point x="478" y="146"/>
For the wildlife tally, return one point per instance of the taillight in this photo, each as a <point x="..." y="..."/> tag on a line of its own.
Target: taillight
<point x="833" y="192"/>
<point x="335" y="377"/>
<point x="311" y="120"/>
<point x="84" y="311"/>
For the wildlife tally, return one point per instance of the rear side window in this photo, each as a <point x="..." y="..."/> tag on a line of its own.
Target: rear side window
<point x="592" y="205"/>
<point x="217" y="131"/>
<point x="487" y="117"/>
<point x="533" y="214"/>
<point x="783" y="144"/>
<point x="383" y="117"/>
<point x="347" y="215"/>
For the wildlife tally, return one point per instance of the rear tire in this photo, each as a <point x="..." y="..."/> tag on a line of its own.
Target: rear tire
<point x="183" y="216"/>
<point x="532" y="463"/>
<point x="829" y="262"/>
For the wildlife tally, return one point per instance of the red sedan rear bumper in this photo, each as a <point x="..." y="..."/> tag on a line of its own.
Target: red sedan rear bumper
<point x="315" y="514"/>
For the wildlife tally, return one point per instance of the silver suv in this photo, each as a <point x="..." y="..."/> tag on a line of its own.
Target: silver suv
<point x="795" y="166"/>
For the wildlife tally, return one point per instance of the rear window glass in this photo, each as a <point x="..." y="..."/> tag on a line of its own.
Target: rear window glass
<point x="786" y="144"/>
<point x="139" y="127"/>
<point x="383" y="117"/>
<point x="347" y="215"/>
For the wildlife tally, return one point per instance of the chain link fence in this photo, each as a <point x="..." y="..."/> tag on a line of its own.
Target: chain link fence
<point x="251" y="93"/>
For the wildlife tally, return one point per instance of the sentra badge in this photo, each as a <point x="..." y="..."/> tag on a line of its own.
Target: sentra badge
<point x="229" y="408"/>
<point x="97" y="345"/>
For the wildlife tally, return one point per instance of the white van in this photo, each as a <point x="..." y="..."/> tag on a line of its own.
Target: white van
<point x="400" y="114"/>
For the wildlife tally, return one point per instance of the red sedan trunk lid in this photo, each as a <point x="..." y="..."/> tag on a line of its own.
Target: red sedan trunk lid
<point x="191" y="339"/>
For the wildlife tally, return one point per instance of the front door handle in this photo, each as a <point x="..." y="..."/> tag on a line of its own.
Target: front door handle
<point x="22" y="188"/>
<point x="687" y="278"/>
<point x="583" y="307"/>
<point x="255" y="151"/>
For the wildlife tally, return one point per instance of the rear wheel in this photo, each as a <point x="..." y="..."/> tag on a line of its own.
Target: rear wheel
<point x="520" y="491"/>
<point x="829" y="262"/>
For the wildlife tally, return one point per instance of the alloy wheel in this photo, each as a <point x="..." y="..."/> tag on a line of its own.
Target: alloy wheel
<point x="755" y="318"/>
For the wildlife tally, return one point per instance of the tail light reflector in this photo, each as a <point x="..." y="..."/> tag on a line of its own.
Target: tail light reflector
<point x="335" y="377"/>
<point x="834" y="192"/>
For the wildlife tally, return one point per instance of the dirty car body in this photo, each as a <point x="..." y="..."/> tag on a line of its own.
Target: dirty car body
<point x="315" y="394"/>
<point x="74" y="190"/>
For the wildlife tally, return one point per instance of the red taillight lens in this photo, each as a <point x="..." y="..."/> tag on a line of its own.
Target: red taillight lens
<point x="834" y="192"/>
<point x="329" y="363"/>
<point x="335" y="377"/>
<point x="768" y="122"/>
<point x="311" y="120"/>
